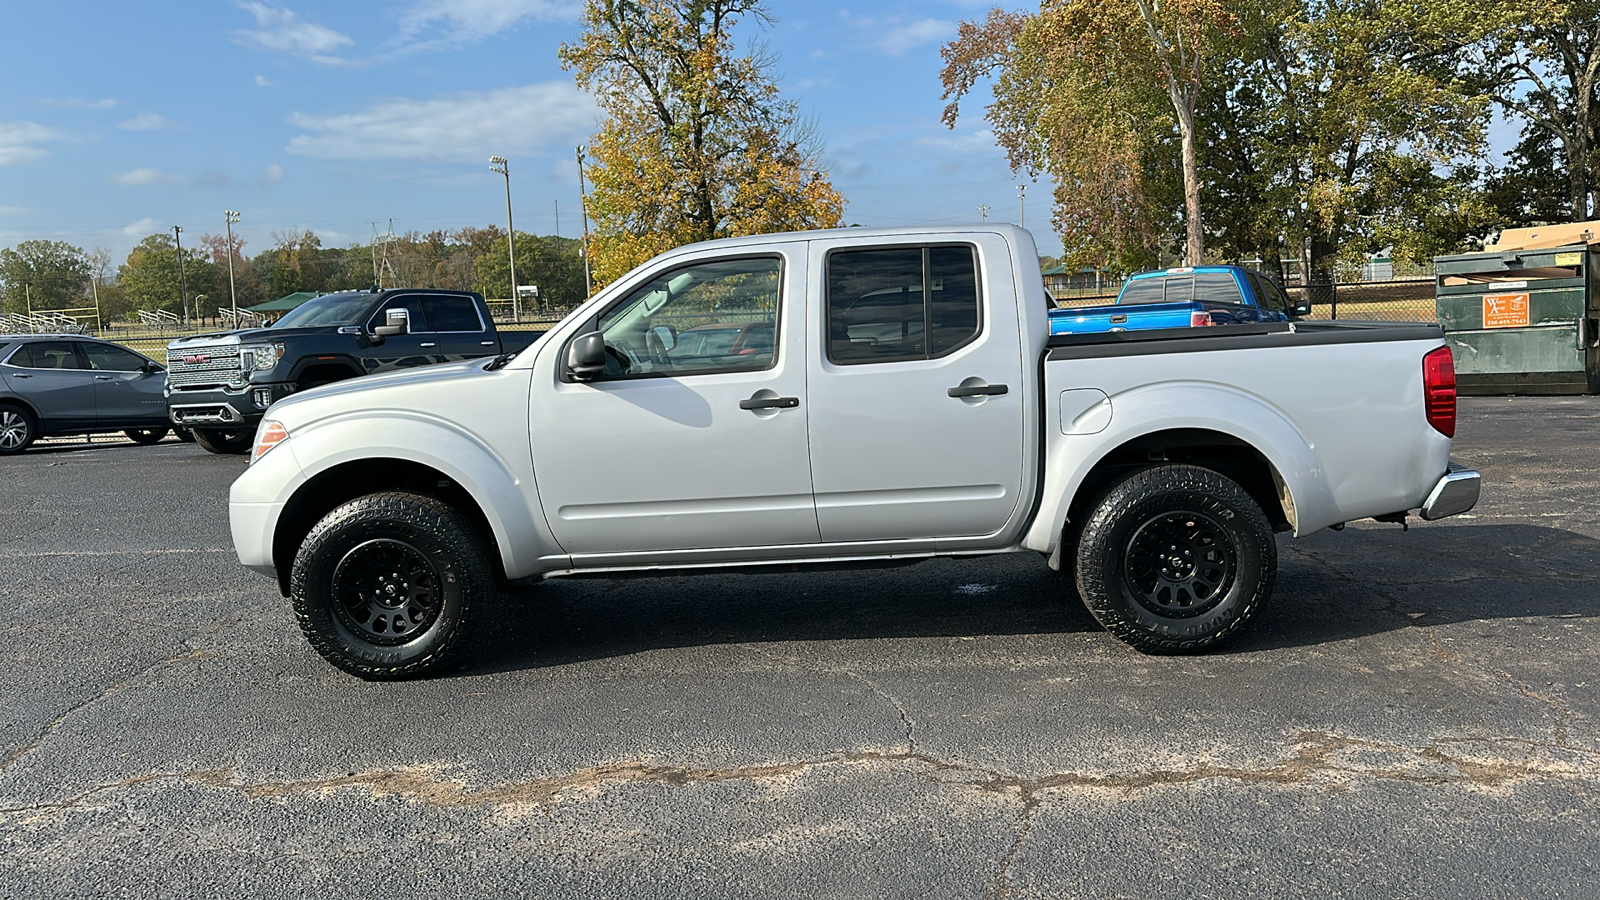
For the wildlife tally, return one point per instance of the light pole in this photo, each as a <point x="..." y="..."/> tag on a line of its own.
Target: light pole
<point x="499" y="164"/>
<point x="983" y="214"/>
<point x="1022" y="203"/>
<point x="232" y="217"/>
<point x="183" y="288"/>
<point x="583" y="209"/>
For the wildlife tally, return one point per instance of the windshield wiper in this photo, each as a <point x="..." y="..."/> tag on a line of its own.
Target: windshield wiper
<point x="499" y="362"/>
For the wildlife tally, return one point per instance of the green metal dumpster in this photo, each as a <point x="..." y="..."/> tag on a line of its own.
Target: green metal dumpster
<point x="1523" y="321"/>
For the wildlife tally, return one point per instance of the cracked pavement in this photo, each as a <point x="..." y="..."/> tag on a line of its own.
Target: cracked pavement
<point x="1413" y="714"/>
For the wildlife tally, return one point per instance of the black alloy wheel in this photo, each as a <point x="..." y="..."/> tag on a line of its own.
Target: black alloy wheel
<point x="146" y="436"/>
<point x="225" y="440"/>
<point x="391" y="586"/>
<point x="18" y="429"/>
<point x="1175" y="559"/>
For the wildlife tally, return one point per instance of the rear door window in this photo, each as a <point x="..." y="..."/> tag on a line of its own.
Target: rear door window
<point x="901" y="303"/>
<point x="452" y="314"/>
<point x="47" y="355"/>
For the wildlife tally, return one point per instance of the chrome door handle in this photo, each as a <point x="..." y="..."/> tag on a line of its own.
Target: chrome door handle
<point x="102" y="378"/>
<point x="486" y="343"/>
<point x="21" y="375"/>
<point x="430" y="344"/>
<point x="978" y="390"/>
<point x="770" y="403"/>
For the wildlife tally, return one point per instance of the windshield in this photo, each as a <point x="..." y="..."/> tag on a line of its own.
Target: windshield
<point x="327" y="310"/>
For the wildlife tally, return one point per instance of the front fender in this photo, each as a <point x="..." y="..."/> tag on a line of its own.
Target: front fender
<point x="1184" y="405"/>
<point x="506" y="497"/>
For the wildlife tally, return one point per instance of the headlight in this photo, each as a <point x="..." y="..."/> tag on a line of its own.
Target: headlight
<point x="260" y="357"/>
<point x="269" y="435"/>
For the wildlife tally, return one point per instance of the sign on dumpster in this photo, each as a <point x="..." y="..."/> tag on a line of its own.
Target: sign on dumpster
<point x="1505" y="310"/>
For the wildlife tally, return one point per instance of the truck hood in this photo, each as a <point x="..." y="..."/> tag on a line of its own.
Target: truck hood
<point x="248" y="336"/>
<point x="367" y="390"/>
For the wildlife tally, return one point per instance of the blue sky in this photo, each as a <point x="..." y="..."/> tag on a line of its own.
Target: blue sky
<point x="122" y="119"/>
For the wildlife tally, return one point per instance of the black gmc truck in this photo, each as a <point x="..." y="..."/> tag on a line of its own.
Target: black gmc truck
<point x="219" y="385"/>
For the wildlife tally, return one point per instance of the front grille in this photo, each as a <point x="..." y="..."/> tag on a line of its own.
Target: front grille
<point x="208" y="365"/>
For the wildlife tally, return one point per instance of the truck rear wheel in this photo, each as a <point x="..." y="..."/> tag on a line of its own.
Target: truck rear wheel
<point x="388" y="585"/>
<point x="224" y="440"/>
<point x="1175" y="559"/>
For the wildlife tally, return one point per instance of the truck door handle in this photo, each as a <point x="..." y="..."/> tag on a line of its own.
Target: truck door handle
<point x="430" y="344"/>
<point x="978" y="390"/>
<point x="486" y="343"/>
<point x="770" y="403"/>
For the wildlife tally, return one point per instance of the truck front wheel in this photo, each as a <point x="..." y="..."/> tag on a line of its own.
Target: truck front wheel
<point x="224" y="440"/>
<point x="1175" y="559"/>
<point x="387" y="586"/>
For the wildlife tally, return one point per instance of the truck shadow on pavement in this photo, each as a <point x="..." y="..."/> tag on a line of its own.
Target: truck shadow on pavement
<point x="1331" y="587"/>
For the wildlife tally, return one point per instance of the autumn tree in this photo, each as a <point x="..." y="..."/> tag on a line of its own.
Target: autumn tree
<point x="697" y="144"/>
<point x="1545" y="61"/>
<point x="1082" y="90"/>
<point x="50" y="274"/>
<point x="246" y="283"/>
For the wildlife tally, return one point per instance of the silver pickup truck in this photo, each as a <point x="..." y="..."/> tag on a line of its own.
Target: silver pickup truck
<point x="842" y="397"/>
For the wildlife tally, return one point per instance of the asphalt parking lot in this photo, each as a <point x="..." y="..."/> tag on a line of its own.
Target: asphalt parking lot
<point x="1414" y="715"/>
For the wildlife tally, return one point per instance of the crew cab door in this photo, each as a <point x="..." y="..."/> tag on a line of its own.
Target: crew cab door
<point x="458" y="329"/>
<point x="682" y="445"/>
<point x="917" y="412"/>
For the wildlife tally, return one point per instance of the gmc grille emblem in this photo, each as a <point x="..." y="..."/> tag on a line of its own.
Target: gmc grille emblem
<point x="197" y="359"/>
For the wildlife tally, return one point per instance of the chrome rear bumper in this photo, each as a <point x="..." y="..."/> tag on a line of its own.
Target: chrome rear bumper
<point x="1455" y="493"/>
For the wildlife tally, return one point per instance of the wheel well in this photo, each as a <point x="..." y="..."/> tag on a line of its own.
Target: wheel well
<point x="22" y="405"/>
<point x="325" y="374"/>
<point x="343" y="483"/>
<point x="1221" y="453"/>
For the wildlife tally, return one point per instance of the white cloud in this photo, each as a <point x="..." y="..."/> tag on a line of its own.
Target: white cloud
<point x="284" y="30"/>
<point x="77" y="103"/>
<point x="429" y="24"/>
<point x="971" y="142"/>
<point x="144" y="226"/>
<point x="896" y="35"/>
<point x="146" y="122"/>
<point x="22" y="142"/>
<point x="144" y="177"/>
<point x="465" y="127"/>
<point x="14" y="210"/>
<point x="261" y="81"/>
<point x="271" y="176"/>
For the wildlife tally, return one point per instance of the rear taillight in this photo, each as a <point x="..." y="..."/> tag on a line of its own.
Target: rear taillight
<point x="1439" y="390"/>
<point x="1199" y="318"/>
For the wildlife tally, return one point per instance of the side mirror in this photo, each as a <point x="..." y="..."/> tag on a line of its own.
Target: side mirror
<point x="396" y="322"/>
<point x="1300" y="310"/>
<point x="151" y="369"/>
<point x="586" y="355"/>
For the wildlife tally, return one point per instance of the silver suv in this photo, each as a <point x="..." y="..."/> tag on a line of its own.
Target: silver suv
<point x="68" y="384"/>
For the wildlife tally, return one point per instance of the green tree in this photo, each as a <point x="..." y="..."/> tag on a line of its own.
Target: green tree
<point x="553" y="263"/>
<point x="697" y="144"/>
<point x="246" y="282"/>
<point x="54" y="274"/>
<point x="149" y="276"/>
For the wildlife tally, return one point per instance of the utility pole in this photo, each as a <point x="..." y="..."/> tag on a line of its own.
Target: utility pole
<point x="983" y="214"/>
<point x="183" y="288"/>
<point x="558" y="218"/>
<point x="499" y="164"/>
<point x="583" y="207"/>
<point x="232" y="217"/>
<point x="1022" y="203"/>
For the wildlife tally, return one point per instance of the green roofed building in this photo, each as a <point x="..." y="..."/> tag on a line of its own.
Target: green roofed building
<point x="284" y="304"/>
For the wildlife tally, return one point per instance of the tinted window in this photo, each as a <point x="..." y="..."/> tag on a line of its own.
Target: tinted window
<point x="1216" y="287"/>
<point x="899" y="304"/>
<point x="1143" y="290"/>
<point x="697" y="320"/>
<point x="413" y="307"/>
<point x="1180" y="288"/>
<point x="452" y="314"/>
<point x="46" y="355"/>
<point x="1269" y="294"/>
<point x="112" y="359"/>
<point x="327" y="310"/>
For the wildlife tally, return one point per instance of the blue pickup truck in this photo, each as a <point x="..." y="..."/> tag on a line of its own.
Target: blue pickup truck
<point x="1183" y="298"/>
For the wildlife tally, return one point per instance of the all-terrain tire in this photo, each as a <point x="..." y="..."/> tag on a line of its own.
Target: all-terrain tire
<point x="1175" y="559"/>
<point x="146" y="436"/>
<point x="18" y="429"/>
<point x="224" y="440"/>
<point x="391" y="585"/>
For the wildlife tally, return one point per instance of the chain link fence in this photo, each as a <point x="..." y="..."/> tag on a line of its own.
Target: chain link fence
<point x="1397" y="300"/>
